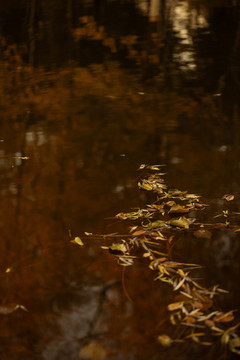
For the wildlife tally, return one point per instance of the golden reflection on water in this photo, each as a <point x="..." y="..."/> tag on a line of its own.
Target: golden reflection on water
<point x="75" y="123"/>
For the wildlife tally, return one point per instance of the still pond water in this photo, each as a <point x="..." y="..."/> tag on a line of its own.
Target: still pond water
<point x="89" y="91"/>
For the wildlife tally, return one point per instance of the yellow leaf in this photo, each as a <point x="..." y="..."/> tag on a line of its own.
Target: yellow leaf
<point x="118" y="247"/>
<point x="175" y="306"/>
<point x="8" y="309"/>
<point x="156" y="224"/>
<point x="194" y="334"/>
<point x="192" y="196"/>
<point x="77" y="241"/>
<point x="178" y="209"/>
<point x="234" y="345"/>
<point x="225" y="338"/>
<point x="182" y="222"/>
<point x="228" y="197"/>
<point x="147" y="254"/>
<point x="181" y="272"/>
<point x="154" y="167"/>
<point x="164" y="340"/>
<point x="142" y="166"/>
<point x="121" y="216"/>
<point x="163" y="270"/>
<point x="145" y="186"/>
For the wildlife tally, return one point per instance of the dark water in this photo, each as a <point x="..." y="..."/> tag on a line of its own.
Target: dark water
<point x="89" y="91"/>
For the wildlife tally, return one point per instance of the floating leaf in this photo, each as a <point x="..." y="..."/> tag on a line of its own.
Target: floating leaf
<point x="224" y="317"/>
<point x="147" y="254"/>
<point x="130" y="216"/>
<point x="117" y="248"/>
<point x="228" y="197"/>
<point x="172" y="264"/>
<point x="225" y="338"/>
<point x="197" y="205"/>
<point x="133" y="228"/>
<point x="234" y="345"/>
<point x="156" y="224"/>
<point x="8" y="309"/>
<point x="165" y="340"/>
<point x="139" y="232"/>
<point x="192" y="196"/>
<point x="209" y="323"/>
<point x="163" y="270"/>
<point x="191" y="307"/>
<point x="226" y="335"/>
<point x="178" y="209"/>
<point x="170" y="203"/>
<point x="21" y="157"/>
<point x="125" y="261"/>
<point x="154" y="167"/>
<point x="142" y="166"/>
<point x="77" y="241"/>
<point x="158" y="206"/>
<point x="180" y="284"/>
<point x="206" y="317"/>
<point x="176" y="192"/>
<point x="182" y="222"/>
<point x="145" y="186"/>
<point x="194" y="335"/>
<point x="189" y="320"/>
<point x="175" y="305"/>
<point x="160" y="236"/>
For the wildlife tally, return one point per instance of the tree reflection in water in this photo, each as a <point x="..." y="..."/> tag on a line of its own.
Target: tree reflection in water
<point x="88" y="92"/>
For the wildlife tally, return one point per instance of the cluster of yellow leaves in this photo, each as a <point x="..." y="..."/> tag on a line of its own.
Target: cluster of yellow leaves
<point x="193" y="306"/>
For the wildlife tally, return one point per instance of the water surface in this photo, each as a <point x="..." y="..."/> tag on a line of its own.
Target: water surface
<point x="89" y="91"/>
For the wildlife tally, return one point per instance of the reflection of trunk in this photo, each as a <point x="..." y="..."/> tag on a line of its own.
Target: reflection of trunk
<point x="70" y="26"/>
<point x="235" y="55"/>
<point x="156" y="10"/>
<point x="31" y="33"/>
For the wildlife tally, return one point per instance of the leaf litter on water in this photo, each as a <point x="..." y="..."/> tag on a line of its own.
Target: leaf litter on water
<point x="153" y="233"/>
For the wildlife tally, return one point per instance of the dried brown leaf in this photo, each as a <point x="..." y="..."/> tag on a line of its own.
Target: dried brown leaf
<point x="224" y="317"/>
<point x="209" y="323"/>
<point x="189" y="320"/>
<point x="139" y="232"/>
